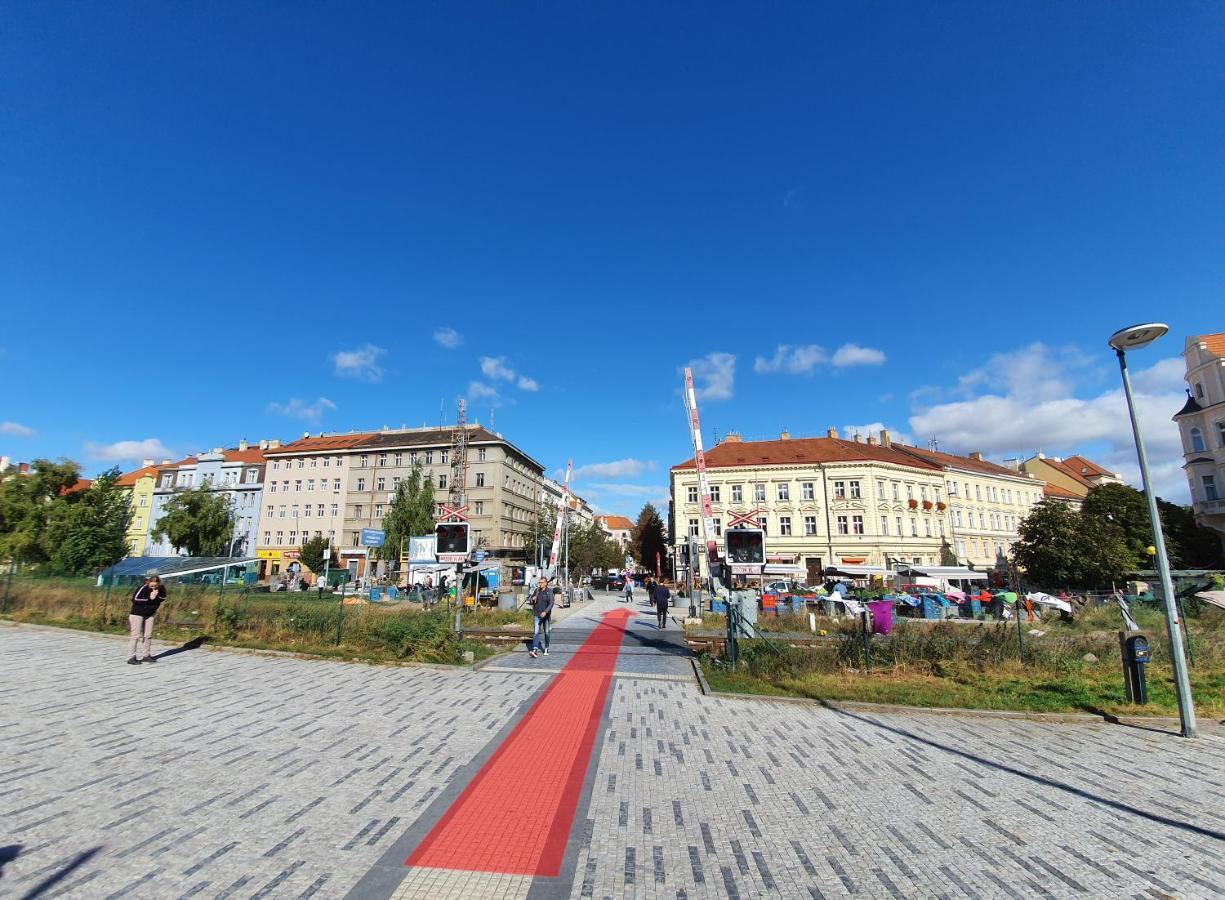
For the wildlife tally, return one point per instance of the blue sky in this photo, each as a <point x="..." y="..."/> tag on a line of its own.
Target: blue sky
<point x="232" y="220"/>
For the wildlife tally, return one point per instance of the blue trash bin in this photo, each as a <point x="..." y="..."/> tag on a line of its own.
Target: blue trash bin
<point x="375" y="593"/>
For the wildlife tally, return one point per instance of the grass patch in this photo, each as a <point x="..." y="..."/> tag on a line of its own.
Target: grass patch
<point x="294" y="623"/>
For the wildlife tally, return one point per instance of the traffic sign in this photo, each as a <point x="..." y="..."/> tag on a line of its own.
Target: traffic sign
<point x="372" y="537"/>
<point x="480" y="555"/>
<point x="460" y="512"/>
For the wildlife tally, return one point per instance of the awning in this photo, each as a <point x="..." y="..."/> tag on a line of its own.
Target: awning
<point x="781" y="569"/>
<point x="857" y="571"/>
<point x="172" y="566"/>
<point x="948" y="573"/>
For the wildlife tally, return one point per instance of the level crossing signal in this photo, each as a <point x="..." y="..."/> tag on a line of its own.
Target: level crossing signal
<point x="746" y="547"/>
<point x="452" y="541"/>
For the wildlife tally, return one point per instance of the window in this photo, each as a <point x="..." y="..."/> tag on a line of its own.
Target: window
<point x="761" y="523"/>
<point x="896" y="496"/>
<point x="480" y="479"/>
<point x="272" y="487"/>
<point x="144" y="501"/>
<point x="982" y="520"/>
<point x="961" y="546"/>
<point x="806" y="490"/>
<point x="443" y="456"/>
<point x="378" y="510"/>
<point x="361" y="484"/>
<point x="297" y="485"/>
<point x="759" y="493"/>
<point x="293" y="511"/>
<point x="382" y="459"/>
<point x="293" y="537"/>
<point x="784" y="525"/>
<point x="429" y="457"/>
<point x="810" y="524"/>
<point x="442" y="481"/>
<point x="957" y="516"/>
<point x="276" y="465"/>
<point x="479" y="508"/>
<point x="927" y="527"/>
<point x="978" y="492"/>
<point x="1220" y="434"/>
<point x="715" y="491"/>
<point x="693" y="527"/>
<point x="327" y="460"/>
<point x="940" y="527"/>
<point x="335" y="484"/>
<point x="884" y="525"/>
<point x="692" y="493"/>
<point x="252" y="476"/>
<point x="285" y="486"/>
<point x="280" y="537"/>
<point x="910" y="492"/>
<point x="952" y="489"/>
<point x="480" y="455"/>
<point x="1197" y="441"/>
<point x="914" y="527"/>
<point x="363" y="460"/>
<point x="718" y="527"/>
<point x="854" y="488"/>
<point x="302" y="462"/>
<point x="1199" y="391"/>
<point x="841" y="522"/>
<point x="380" y="483"/>
<point x="857" y="524"/>
<point x="357" y="511"/>
<point x="395" y="482"/>
<point x="306" y="510"/>
<point x="310" y="484"/>
<point x="923" y="492"/>
<point x="335" y="509"/>
<point x="314" y="462"/>
<point x="839" y="490"/>
<point x="399" y="458"/>
<point x="784" y="491"/>
<point x="737" y="493"/>
<point x="898" y="520"/>
<point x="281" y="511"/>
<point x="319" y="510"/>
<point x="1209" y="482"/>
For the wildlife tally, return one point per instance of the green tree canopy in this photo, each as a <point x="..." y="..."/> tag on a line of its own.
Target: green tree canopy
<point x="411" y="514"/>
<point x="592" y="548"/>
<point x="540" y="530"/>
<point x="86" y="530"/>
<point x="26" y="504"/>
<point x="198" y="521"/>
<point x="649" y="537"/>
<point x="1059" y="547"/>
<point x="312" y="554"/>
<point x="1188" y="544"/>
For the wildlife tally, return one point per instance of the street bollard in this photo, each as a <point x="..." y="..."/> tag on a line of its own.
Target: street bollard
<point x="867" y="653"/>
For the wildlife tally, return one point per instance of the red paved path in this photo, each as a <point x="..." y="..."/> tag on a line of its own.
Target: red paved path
<point x="515" y="815"/>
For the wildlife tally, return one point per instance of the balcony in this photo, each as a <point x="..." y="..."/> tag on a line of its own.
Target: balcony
<point x="1210" y="506"/>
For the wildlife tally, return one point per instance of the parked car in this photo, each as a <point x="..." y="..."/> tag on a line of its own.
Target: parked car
<point x="616" y="583"/>
<point x="777" y="587"/>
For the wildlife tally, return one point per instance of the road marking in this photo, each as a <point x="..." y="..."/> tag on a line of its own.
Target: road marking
<point x="515" y="816"/>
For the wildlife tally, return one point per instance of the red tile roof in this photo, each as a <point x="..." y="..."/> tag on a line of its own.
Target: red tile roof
<point x="129" y="479"/>
<point x="325" y="443"/>
<point x="961" y="462"/>
<point x="617" y="523"/>
<point x="250" y="455"/>
<point x="81" y="484"/>
<point x="1072" y="472"/>
<point x="1214" y="342"/>
<point x="798" y="451"/>
<point x="1054" y="490"/>
<point x="1078" y="463"/>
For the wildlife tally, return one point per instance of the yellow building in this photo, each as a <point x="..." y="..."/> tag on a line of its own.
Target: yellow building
<point x="140" y="483"/>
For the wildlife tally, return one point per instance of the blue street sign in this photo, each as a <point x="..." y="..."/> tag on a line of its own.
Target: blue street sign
<point x="372" y="537"/>
<point x="479" y="555"/>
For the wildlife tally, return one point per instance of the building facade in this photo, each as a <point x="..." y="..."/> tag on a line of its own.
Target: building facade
<point x="337" y="484"/>
<point x="238" y="473"/>
<point x="139" y="484"/>
<point x="619" y="528"/>
<point x="827" y="502"/>
<point x="1075" y="476"/>
<point x="1201" y="424"/>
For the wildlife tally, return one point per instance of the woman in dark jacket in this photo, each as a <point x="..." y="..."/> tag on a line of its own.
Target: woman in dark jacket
<point x="145" y="601"/>
<point x="662" y="597"/>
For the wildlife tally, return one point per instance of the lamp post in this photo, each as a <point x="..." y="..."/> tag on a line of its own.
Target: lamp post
<point x="1133" y="338"/>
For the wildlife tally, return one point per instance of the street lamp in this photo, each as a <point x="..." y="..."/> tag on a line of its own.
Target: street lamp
<point x="1133" y="338"/>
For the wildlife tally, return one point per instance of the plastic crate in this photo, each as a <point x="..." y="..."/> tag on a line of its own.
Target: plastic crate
<point x="932" y="609"/>
<point x="718" y="606"/>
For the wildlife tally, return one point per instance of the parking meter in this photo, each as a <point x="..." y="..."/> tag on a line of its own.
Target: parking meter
<point x="1136" y="656"/>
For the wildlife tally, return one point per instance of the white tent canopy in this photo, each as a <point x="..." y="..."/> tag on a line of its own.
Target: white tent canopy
<point x="857" y="571"/>
<point x="948" y="573"/>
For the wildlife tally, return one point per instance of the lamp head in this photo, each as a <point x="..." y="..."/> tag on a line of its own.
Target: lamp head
<point x="1133" y="337"/>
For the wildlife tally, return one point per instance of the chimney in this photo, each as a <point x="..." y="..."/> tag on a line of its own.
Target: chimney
<point x="831" y="432"/>
<point x="166" y="461"/>
<point x="732" y="437"/>
<point x="976" y="455"/>
<point x="785" y="436"/>
<point x="858" y="438"/>
<point x="145" y="463"/>
<point x="274" y="444"/>
<point x="242" y="445"/>
<point x="871" y="441"/>
<point x="263" y="444"/>
<point x="885" y="440"/>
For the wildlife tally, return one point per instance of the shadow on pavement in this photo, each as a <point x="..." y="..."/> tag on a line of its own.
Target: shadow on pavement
<point x="8" y="854"/>
<point x="194" y="644"/>
<point x="1030" y="776"/>
<point x="47" y="883"/>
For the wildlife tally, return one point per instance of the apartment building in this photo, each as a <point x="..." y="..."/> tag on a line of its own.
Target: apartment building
<point x="619" y="528"/>
<point x="1073" y="477"/>
<point x="338" y="484"/>
<point x="140" y="483"/>
<point x="238" y="472"/>
<point x="829" y="502"/>
<point x="1201" y="423"/>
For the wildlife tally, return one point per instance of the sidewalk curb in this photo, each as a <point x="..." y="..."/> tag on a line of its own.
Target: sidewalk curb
<point x="1160" y="722"/>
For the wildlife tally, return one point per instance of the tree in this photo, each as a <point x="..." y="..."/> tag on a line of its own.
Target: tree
<point x="947" y="556"/>
<point x="1061" y="548"/>
<point x="540" y="530"/>
<point x="411" y="514"/>
<point x="199" y="521"/>
<point x="87" y="530"/>
<point x="1188" y="544"/>
<point x="313" y="554"/>
<point x="648" y="537"/>
<point x="26" y="503"/>
<point x="1191" y="545"/>
<point x="1126" y="507"/>
<point x="591" y="548"/>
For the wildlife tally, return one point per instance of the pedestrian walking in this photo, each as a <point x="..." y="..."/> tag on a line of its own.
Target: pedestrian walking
<point x="629" y="590"/>
<point x="662" y="596"/>
<point x="542" y="618"/>
<point x="145" y="601"/>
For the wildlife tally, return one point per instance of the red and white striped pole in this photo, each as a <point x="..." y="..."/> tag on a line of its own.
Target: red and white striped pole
<point x="695" y="432"/>
<point x="561" y="512"/>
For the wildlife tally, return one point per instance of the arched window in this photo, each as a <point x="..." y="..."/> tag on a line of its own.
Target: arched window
<point x="1197" y="440"/>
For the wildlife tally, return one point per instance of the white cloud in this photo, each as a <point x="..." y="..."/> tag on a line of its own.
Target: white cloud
<point x="128" y="451"/>
<point x="495" y="367"/>
<point x="615" y="489"/>
<point x="362" y="363"/>
<point x="874" y="429"/>
<point x="621" y="468"/>
<point x="308" y="412"/>
<point x="478" y="390"/>
<point x="792" y="359"/>
<point x="447" y="337"/>
<point x="1033" y="408"/>
<point x="16" y="429"/>
<point x="528" y="384"/>
<point x="855" y="355"/>
<point x="714" y="376"/>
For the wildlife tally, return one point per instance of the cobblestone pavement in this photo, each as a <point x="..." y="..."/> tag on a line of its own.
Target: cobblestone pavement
<point x="220" y="774"/>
